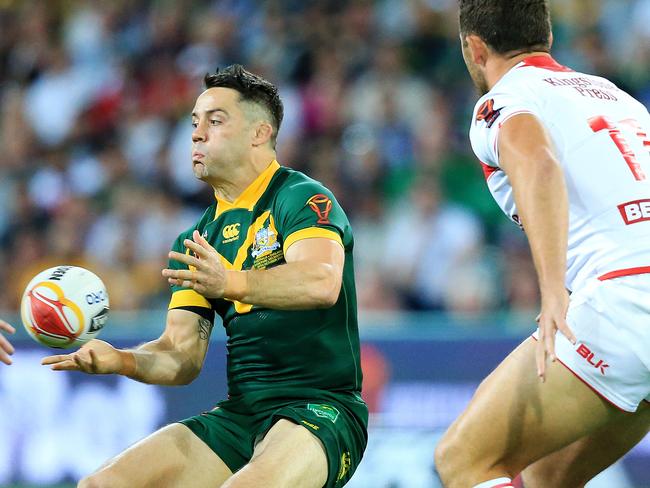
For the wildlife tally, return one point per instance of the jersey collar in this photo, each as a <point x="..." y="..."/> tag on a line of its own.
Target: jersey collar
<point x="249" y="197"/>
<point x="543" y="61"/>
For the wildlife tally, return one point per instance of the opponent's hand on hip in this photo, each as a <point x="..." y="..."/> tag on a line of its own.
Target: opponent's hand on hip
<point x="551" y="318"/>
<point x="6" y="349"/>
<point x="94" y="357"/>
<point x="207" y="274"/>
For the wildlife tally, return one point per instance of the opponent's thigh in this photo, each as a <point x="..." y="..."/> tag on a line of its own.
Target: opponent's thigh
<point x="514" y="420"/>
<point x="289" y="456"/>
<point x="170" y="457"/>
<point x="582" y="460"/>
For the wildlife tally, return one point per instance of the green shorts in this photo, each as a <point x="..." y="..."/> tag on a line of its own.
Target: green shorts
<point x="232" y="432"/>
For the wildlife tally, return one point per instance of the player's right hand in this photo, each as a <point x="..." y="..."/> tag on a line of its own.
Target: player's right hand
<point x="551" y="319"/>
<point x="6" y="349"/>
<point x="94" y="357"/>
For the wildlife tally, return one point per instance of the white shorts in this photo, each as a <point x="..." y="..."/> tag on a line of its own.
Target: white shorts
<point x="611" y="320"/>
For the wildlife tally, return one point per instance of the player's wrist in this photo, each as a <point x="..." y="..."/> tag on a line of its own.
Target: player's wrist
<point x="552" y="288"/>
<point x="128" y="366"/>
<point x="236" y="285"/>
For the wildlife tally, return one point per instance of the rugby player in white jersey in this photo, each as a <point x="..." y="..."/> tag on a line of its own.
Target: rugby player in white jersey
<point x="567" y="156"/>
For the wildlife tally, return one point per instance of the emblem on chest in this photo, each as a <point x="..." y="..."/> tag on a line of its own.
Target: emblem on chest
<point x="266" y="249"/>
<point x="266" y="241"/>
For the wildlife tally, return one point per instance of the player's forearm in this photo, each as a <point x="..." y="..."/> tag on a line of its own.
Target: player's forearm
<point x="156" y="362"/>
<point x="543" y="208"/>
<point x="291" y="286"/>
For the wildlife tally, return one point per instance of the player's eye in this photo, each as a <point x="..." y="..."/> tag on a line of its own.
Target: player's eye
<point x="195" y="124"/>
<point x="215" y="122"/>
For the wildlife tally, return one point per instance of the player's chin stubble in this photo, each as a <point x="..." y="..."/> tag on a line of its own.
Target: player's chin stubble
<point x="200" y="170"/>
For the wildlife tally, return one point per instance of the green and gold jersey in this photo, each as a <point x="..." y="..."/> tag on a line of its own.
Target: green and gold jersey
<point x="279" y="352"/>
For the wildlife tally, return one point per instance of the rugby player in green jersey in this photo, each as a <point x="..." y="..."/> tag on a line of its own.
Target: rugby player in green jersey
<point x="273" y="257"/>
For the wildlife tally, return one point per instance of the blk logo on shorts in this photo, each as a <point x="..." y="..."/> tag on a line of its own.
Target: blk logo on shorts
<point x="586" y="353"/>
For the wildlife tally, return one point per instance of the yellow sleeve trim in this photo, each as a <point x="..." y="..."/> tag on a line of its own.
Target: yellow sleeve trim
<point x="188" y="298"/>
<point x="311" y="233"/>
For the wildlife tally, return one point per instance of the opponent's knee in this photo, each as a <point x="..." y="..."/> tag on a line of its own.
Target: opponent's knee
<point x="444" y="458"/>
<point x="458" y="466"/>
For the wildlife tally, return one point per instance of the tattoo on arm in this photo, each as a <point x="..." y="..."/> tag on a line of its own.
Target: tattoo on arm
<point x="205" y="327"/>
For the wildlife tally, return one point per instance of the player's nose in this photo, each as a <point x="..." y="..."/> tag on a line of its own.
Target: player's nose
<point x="199" y="133"/>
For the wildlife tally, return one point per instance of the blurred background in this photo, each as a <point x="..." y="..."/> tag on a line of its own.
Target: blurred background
<point x="95" y="131"/>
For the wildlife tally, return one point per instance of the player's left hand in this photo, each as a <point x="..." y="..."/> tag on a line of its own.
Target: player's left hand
<point x="551" y="319"/>
<point x="94" y="357"/>
<point x="207" y="274"/>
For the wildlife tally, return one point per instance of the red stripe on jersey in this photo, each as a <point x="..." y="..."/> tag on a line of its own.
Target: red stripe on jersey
<point x="488" y="170"/>
<point x="546" y="62"/>
<point x="624" y="272"/>
<point x="504" y="485"/>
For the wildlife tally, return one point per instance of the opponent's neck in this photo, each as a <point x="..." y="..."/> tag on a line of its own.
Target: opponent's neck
<point x="497" y="66"/>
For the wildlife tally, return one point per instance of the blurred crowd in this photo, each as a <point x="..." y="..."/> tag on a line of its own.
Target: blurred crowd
<point x="95" y="132"/>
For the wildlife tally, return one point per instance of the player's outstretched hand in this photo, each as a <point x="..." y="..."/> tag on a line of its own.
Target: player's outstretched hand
<point x="551" y="319"/>
<point x="207" y="274"/>
<point x="94" y="357"/>
<point x="6" y="349"/>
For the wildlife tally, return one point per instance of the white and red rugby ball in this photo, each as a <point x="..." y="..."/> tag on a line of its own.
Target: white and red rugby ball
<point x="64" y="306"/>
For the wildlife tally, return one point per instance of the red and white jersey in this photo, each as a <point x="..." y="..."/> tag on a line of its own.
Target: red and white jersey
<point x="602" y="141"/>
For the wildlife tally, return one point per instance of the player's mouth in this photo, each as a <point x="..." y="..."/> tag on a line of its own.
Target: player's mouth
<point x="197" y="156"/>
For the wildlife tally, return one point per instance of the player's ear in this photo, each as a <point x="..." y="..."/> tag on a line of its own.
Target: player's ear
<point x="478" y="49"/>
<point x="550" y="40"/>
<point x="263" y="133"/>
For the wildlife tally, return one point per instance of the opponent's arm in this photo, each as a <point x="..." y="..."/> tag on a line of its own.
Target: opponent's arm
<point x="527" y="156"/>
<point x="6" y="349"/>
<point x="311" y="277"/>
<point x="175" y="358"/>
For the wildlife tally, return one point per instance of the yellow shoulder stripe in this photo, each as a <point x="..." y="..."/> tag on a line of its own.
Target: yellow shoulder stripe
<point x="311" y="233"/>
<point x="188" y="298"/>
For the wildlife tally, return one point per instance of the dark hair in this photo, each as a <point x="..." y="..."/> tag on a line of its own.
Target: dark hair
<point x="251" y="88"/>
<point x="508" y="25"/>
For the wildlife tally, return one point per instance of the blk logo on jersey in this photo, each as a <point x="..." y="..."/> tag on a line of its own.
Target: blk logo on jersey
<point x="322" y="206"/>
<point x="586" y="353"/>
<point x="487" y="113"/>
<point x="635" y="211"/>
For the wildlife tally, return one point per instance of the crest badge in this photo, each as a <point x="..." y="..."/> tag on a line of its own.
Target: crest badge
<point x="266" y="241"/>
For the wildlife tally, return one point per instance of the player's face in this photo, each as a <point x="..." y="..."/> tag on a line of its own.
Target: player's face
<point x="474" y="70"/>
<point x="221" y="136"/>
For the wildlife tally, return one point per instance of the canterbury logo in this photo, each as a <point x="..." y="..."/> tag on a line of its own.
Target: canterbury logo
<point x="231" y="231"/>
<point x="322" y="206"/>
